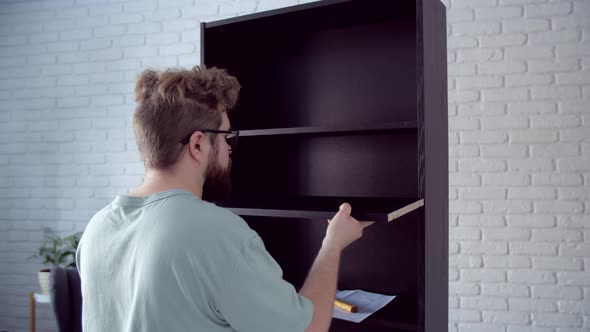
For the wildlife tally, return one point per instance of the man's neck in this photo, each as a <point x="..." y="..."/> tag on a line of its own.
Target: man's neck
<point x="163" y="180"/>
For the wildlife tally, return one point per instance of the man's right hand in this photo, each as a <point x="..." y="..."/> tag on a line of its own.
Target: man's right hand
<point x="344" y="229"/>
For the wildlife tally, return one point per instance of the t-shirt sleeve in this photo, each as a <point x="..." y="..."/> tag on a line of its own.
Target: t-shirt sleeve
<point x="255" y="297"/>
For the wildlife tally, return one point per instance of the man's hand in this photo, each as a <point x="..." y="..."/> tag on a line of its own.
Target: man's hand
<point x="344" y="229"/>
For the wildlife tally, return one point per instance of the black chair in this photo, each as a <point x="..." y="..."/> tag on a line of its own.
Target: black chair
<point x="66" y="297"/>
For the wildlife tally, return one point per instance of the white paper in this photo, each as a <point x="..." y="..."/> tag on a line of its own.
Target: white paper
<point x="367" y="303"/>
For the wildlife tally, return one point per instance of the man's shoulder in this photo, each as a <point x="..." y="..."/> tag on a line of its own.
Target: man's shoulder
<point x="196" y="215"/>
<point x="193" y="207"/>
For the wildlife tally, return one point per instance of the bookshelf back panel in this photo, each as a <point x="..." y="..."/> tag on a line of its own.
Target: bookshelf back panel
<point x="379" y="165"/>
<point x="338" y="75"/>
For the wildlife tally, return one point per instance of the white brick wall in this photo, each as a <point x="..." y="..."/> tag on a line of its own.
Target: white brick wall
<point x="519" y="163"/>
<point x="519" y="90"/>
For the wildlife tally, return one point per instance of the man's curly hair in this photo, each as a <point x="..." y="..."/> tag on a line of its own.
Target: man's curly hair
<point x="173" y="104"/>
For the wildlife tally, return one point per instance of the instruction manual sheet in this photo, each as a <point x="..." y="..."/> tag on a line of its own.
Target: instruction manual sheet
<point x="367" y="303"/>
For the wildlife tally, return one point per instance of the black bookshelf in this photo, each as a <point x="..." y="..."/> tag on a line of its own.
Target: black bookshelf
<point x="345" y="101"/>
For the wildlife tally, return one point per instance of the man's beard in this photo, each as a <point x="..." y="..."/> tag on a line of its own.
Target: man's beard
<point x="217" y="186"/>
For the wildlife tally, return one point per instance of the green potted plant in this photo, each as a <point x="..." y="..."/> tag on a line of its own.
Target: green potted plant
<point x="56" y="251"/>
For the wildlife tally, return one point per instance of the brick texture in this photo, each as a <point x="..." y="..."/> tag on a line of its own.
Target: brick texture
<point x="520" y="192"/>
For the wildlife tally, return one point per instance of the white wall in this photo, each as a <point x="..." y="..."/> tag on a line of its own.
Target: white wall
<point x="519" y="116"/>
<point x="519" y="119"/>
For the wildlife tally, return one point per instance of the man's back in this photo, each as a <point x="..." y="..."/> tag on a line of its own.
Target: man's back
<point x="172" y="262"/>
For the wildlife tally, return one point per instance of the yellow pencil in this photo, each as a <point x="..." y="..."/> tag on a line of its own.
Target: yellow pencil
<point x="345" y="306"/>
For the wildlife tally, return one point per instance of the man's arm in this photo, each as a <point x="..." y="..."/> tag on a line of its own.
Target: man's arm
<point x="320" y="286"/>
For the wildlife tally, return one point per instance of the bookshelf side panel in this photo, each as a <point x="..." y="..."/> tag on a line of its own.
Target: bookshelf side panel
<point x="435" y="170"/>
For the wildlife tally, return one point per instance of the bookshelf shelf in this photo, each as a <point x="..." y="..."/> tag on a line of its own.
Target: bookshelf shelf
<point x="327" y="130"/>
<point x="367" y="209"/>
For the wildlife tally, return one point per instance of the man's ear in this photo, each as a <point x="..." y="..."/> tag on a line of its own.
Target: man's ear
<point x="198" y="149"/>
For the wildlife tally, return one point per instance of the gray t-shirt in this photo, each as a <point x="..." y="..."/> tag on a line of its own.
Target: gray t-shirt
<point x="173" y="262"/>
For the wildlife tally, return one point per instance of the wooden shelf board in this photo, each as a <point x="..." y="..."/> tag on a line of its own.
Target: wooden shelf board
<point x="350" y="130"/>
<point x="377" y="209"/>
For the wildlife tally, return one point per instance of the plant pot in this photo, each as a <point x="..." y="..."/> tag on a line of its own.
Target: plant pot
<point x="44" y="281"/>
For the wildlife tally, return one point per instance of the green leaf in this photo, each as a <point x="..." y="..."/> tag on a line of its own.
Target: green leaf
<point x="57" y="251"/>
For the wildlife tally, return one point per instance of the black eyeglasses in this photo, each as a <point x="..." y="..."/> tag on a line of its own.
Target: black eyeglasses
<point x="231" y="136"/>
